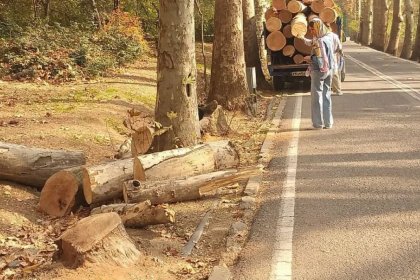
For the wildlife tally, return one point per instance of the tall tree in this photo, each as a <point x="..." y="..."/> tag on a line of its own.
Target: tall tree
<point x="394" y="37"/>
<point x="176" y="103"/>
<point x="228" y="79"/>
<point x="260" y="8"/>
<point x="416" y="48"/>
<point x="252" y="58"/>
<point x="380" y="11"/>
<point x="409" y="26"/>
<point x="367" y="23"/>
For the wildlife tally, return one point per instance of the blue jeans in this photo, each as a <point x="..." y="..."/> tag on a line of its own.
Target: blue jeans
<point x="321" y="99"/>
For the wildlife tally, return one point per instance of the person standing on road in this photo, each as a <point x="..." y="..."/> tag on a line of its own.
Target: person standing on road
<point x="321" y="68"/>
<point x="338" y="52"/>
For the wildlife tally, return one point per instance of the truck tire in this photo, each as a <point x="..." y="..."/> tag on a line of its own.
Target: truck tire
<point x="278" y="83"/>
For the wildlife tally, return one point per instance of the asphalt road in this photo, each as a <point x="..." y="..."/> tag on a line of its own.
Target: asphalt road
<point x="354" y="189"/>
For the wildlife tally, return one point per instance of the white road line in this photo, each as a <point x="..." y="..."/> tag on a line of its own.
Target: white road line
<point x="282" y="259"/>
<point x="407" y="89"/>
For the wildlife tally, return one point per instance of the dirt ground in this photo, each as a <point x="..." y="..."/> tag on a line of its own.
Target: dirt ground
<point x="88" y="116"/>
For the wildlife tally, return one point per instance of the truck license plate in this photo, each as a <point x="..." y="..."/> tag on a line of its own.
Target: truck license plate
<point x="298" y="74"/>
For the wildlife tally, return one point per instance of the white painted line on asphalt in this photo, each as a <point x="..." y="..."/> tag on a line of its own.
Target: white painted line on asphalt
<point x="407" y="89"/>
<point x="281" y="268"/>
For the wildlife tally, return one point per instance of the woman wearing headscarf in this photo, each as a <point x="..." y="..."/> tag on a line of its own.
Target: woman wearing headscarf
<point x="321" y="68"/>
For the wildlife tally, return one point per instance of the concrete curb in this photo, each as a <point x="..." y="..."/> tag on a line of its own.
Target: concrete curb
<point x="234" y="241"/>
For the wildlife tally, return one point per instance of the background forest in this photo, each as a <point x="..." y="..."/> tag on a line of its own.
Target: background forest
<point x="65" y="40"/>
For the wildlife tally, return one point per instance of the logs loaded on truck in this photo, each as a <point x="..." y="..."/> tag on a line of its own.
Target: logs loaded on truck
<point x="284" y="21"/>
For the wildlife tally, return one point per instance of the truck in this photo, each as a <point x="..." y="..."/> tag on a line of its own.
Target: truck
<point x="283" y="69"/>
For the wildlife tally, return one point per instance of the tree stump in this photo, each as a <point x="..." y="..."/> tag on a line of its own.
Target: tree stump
<point x="33" y="166"/>
<point x="215" y="123"/>
<point x="97" y="239"/>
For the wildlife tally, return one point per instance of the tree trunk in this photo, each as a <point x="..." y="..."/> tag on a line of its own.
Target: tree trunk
<point x="409" y="27"/>
<point x="186" y="162"/>
<point x="116" y="4"/>
<point x="45" y="9"/>
<point x="97" y="239"/>
<point x="416" y="48"/>
<point x="192" y="188"/>
<point x="33" y="166"/>
<point x="97" y="15"/>
<point x="138" y="215"/>
<point x="104" y="182"/>
<point x="264" y="76"/>
<point x="394" y="37"/>
<point x="380" y="11"/>
<point x="176" y="103"/>
<point x="367" y="23"/>
<point x="228" y="85"/>
<point x="62" y="192"/>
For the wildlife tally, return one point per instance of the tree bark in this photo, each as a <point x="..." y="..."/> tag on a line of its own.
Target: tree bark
<point x="192" y="188"/>
<point x="176" y="103"/>
<point x="97" y="239"/>
<point x="380" y="11"/>
<point x="104" y="182"/>
<point x="33" y="166"/>
<point x="409" y="28"/>
<point x="228" y="85"/>
<point x="416" y="47"/>
<point x="394" y="37"/>
<point x="264" y="76"/>
<point x="367" y="23"/>
<point x="186" y="162"/>
<point x="62" y="191"/>
<point x="138" y="215"/>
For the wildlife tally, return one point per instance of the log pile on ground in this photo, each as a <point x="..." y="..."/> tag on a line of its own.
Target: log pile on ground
<point x="288" y="19"/>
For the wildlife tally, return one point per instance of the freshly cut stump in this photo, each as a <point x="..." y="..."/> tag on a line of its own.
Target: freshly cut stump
<point x="97" y="239"/>
<point x="141" y="140"/>
<point x="276" y="41"/>
<point x="33" y="166"/>
<point x="58" y="195"/>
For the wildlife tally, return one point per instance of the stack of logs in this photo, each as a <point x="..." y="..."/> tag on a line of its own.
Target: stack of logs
<point x="288" y="19"/>
<point x="142" y="186"/>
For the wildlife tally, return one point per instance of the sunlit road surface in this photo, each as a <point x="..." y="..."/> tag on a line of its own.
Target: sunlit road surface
<point x="344" y="203"/>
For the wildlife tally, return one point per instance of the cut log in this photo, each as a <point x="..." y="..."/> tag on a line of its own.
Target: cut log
<point x="61" y="192"/>
<point x="295" y="6"/>
<point x="273" y="24"/>
<point x="276" y="41"/>
<point x="33" y="166"/>
<point x="138" y="215"/>
<point x="279" y="4"/>
<point x="317" y="6"/>
<point x="328" y="15"/>
<point x="287" y="31"/>
<point x="270" y="13"/>
<point x="299" y="25"/>
<point x="184" y="162"/>
<point x="104" y="182"/>
<point x="289" y="50"/>
<point x="301" y="47"/>
<point x="142" y="140"/>
<point x="298" y="58"/>
<point x="329" y="3"/>
<point x="285" y="16"/>
<point x="192" y="188"/>
<point x="216" y="123"/>
<point x="97" y="239"/>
